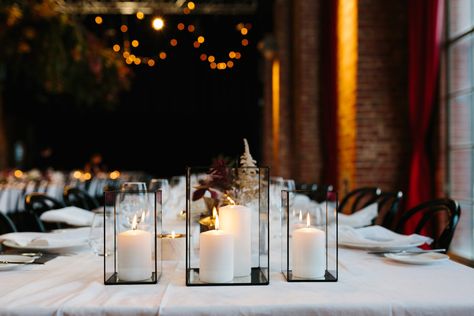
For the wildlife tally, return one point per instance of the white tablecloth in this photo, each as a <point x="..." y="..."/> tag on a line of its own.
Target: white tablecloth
<point x="368" y="285"/>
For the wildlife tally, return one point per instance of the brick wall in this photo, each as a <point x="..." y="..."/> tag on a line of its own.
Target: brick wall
<point x="306" y="153"/>
<point x="382" y="153"/>
<point x="382" y="140"/>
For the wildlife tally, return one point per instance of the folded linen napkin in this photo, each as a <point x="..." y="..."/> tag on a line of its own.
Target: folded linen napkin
<point x="378" y="236"/>
<point x="360" y="218"/>
<point x="66" y="237"/>
<point x="70" y="215"/>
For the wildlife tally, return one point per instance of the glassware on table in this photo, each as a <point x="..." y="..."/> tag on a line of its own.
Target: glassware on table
<point x="133" y="202"/>
<point x="164" y="186"/>
<point x="96" y="233"/>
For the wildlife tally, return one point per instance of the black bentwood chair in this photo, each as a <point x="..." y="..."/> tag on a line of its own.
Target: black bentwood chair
<point x="38" y="203"/>
<point x="79" y="198"/>
<point x="358" y="199"/>
<point x="388" y="208"/>
<point x="6" y="224"/>
<point x="436" y="219"/>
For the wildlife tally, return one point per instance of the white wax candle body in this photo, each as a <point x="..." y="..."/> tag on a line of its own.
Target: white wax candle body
<point x="134" y="249"/>
<point x="173" y="248"/>
<point x="309" y="253"/>
<point x="237" y="220"/>
<point x="216" y="256"/>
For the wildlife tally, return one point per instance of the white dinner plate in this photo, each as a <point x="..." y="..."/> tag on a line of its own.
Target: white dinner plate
<point x="58" y="247"/>
<point x="380" y="246"/>
<point x="419" y="258"/>
<point x="16" y="258"/>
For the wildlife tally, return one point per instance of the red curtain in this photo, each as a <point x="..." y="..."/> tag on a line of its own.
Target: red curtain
<point x="425" y="30"/>
<point x="328" y="79"/>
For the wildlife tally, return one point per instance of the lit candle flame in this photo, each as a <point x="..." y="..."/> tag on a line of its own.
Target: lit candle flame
<point x="134" y="222"/>
<point x="173" y="234"/>
<point x="232" y="202"/>
<point x="307" y="220"/>
<point x="300" y="217"/>
<point x="214" y="212"/>
<point x="216" y="225"/>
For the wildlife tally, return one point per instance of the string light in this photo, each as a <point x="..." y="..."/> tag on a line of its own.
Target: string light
<point x="98" y="19"/>
<point x="158" y="24"/>
<point x="191" y="5"/>
<point x="186" y="11"/>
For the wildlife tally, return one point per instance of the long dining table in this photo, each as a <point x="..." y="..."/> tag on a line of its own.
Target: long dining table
<point x="368" y="284"/>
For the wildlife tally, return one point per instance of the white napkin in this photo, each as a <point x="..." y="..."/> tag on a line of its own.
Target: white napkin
<point x="378" y="236"/>
<point x="60" y="238"/>
<point x="360" y="218"/>
<point x="70" y="215"/>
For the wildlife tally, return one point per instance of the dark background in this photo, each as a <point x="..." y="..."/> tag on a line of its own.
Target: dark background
<point x="178" y="113"/>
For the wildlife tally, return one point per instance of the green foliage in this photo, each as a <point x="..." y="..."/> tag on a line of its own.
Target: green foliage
<point x="46" y="53"/>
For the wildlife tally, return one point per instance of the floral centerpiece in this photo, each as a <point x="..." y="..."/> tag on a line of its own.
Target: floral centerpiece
<point x="227" y="184"/>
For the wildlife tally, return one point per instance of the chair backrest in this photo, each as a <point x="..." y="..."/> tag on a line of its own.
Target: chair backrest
<point x="320" y="192"/>
<point x="436" y="218"/>
<point x="388" y="208"/>
<point x="80" y="198"/>
<point x="358" y="199"/>
<point x="38" y="203"/>
<point x="6" y="224"/>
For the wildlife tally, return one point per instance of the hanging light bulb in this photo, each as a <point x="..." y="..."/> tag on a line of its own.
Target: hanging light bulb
<point x="158" y="23"/>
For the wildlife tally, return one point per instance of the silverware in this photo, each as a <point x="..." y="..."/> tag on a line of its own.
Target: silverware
<point x="415" y="251"/>
<point x="15" y="262"/>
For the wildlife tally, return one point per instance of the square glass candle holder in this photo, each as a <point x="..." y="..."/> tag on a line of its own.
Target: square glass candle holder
<point x="309" y="236"/>
<point x="227" y="226"/>
<point x="132" y="249"/>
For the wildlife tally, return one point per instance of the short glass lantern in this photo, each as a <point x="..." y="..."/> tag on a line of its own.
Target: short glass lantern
<point x="132" y="249"/>
<point x="227" y="226"/>
<point x="309" y="236"/>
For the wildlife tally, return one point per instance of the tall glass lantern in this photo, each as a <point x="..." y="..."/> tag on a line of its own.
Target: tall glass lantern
<point x="227" y="226"/>
<point x="131" y="243"/>
<point x="309" y="249"/>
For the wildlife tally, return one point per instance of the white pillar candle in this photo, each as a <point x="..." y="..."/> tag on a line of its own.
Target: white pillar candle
<point x="173" y="246"/>
<point x="216" y="256"/>
<point x="309" y="252"/>
<point x="237" y="220"/>
<point x="134" y="251"/>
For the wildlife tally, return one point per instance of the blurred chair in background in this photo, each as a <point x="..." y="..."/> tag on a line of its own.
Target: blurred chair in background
<point x="79" y="198"/>
<point x="437" y="219"/>
<point x="38" y="203"/>
<point x="358" y="199"/>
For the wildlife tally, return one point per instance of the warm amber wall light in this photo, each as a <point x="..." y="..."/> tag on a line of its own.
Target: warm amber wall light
<point x="346" y="91"/>
<point x="276" y="112"/>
